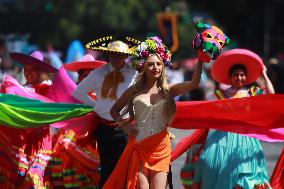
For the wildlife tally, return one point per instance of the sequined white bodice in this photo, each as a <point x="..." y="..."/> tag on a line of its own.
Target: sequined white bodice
<point x="150" y="119"/>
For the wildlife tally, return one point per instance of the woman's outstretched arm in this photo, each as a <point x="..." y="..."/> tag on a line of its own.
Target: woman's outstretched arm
<point x="184" y="87"/>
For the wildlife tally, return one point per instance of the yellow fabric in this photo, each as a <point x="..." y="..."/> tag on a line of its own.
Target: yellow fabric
<point x="110" y="84"/>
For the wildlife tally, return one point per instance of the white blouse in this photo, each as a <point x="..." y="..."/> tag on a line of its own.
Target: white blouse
<point x="94" y="81"/>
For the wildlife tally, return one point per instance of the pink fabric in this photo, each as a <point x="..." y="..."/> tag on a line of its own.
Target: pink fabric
<point x="61" y="91"/>
<point x="62" y="88"/>
<point x="270" y="136"/>
<point x="11" y="86"/>
<point x="262" y="115"/>
<point x="80" y="126"/>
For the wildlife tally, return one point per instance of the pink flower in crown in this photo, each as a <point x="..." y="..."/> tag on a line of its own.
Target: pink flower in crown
<point x="140" y="67"/>
<point x="157" y="39"/>
<point x="160" y="50"/>
<point x="165" y="56"/>
<point x="145" y="54"/>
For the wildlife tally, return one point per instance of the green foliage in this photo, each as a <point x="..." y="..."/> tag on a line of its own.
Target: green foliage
<point x="186" y="33"/>
<point x="60" y="22"/>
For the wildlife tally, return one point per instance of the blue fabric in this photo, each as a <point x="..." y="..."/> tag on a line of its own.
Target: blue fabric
<point x="75" y="52"/>
<point x="230" y="159"/>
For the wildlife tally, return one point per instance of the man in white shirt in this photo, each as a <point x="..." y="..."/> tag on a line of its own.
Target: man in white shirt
<point x="109" y="83"/>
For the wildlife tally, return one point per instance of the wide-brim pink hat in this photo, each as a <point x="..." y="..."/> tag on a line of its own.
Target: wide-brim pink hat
<point x="35" y="59"/>
<point x="221" y="67"/>
<point x="87" y="62"/>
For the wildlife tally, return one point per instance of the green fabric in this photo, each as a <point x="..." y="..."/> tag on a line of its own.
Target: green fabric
<point x="20" y="112"/>
<point x="187" y="182"/>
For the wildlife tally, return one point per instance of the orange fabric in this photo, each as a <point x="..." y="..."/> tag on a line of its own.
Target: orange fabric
<point x="153" y="153"/>
<point x="110" y="84"/>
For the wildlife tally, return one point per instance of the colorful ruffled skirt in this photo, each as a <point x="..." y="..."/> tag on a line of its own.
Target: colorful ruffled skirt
<point x="227" y="161"/>
<point x="74" y="163"/>
<point x="24" y="157"/>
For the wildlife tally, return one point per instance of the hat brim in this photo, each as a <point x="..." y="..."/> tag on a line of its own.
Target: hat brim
<point x="76" y="66"/>
<point x="252" y="62"/>
<point x="26" y="59"/>
<point x="107" y="51"/>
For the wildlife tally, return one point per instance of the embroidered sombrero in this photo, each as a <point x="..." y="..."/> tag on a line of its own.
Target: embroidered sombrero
<point x="109" y="45"/>
<point x="252" y="62"/>
<point x="87" y="62"/>
<point x="36" y="59"/>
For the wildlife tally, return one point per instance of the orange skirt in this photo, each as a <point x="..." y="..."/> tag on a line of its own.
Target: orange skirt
<point x="153" y="153"/>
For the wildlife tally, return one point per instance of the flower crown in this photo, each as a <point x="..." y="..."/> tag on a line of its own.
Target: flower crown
<point x="152" y="45"/>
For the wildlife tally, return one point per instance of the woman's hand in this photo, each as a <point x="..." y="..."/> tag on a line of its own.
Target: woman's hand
<point x="264" y="70"/>
<point x="269" y="86"/>
<point x="130" y="129"/>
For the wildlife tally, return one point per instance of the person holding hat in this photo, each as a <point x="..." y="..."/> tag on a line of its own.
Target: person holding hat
<point x="31" y="148"/>
<point x="109" y="82"/>
<point x="230" y="160"/>
<point x="151" y="106"/>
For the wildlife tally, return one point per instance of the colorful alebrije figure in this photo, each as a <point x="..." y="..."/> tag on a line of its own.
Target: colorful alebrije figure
<point x="152" y="45"/>
<point x="209" y="41"/>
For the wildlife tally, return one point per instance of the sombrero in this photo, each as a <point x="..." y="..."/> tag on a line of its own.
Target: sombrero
<point x="109" y="45"/>
<point x="87" y="62"/>
<point x="35" y="59"/>
<point x="252" y="62"/>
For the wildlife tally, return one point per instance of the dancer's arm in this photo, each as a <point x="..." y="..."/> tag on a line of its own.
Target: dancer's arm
<point x="269" y="86"/>
<point x="121" y="103"/>
<point x="87" y="85"/>
<point x="118" y="106"/>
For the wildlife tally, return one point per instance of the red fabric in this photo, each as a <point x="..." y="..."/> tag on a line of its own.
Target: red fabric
<point x="277" y="178"/>
<point x="42" y="89"/>
<point x="92" y="95"/>
<point x="106" y="122"/>
<point x="197" y="137"/>
<point x="262" y="115"/>
<point x="76" y="66"/>
<point x="203" y="57"/>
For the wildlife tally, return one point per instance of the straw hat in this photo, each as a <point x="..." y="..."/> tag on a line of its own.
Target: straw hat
<point x="108" y="45"/>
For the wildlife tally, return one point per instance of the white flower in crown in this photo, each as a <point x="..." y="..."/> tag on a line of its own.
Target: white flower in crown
<point x="143" y="46"/>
